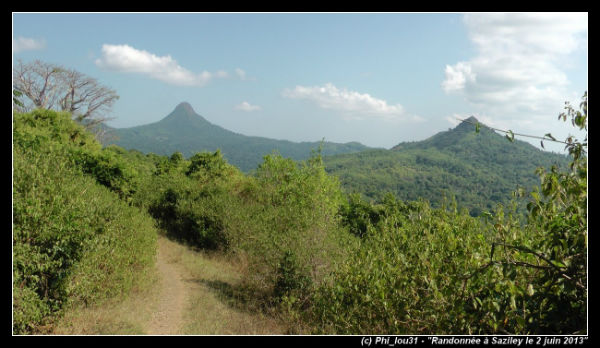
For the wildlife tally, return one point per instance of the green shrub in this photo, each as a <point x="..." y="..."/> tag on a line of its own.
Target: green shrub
<point x="109" y="169"/>
<point x="405" y="278"/>
<point x="74" y="241"/>
<point x="358" y="215"/>
<point x="290" y="278"/>
<point x="190" y="203"/>
<point x="437" y="271"/>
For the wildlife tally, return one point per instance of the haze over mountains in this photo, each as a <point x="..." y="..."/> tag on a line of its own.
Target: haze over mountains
<point x="186" y="131"/>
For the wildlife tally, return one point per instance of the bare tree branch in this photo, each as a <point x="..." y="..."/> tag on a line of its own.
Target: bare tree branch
<point x="51" y="86"/>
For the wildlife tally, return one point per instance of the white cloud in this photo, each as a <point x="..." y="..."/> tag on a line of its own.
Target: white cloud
<point x="124" y="58"/>
<point x="518" y="60"/>
<point x="245" y="106"/>
<point x="240" y="73"/>
<point x="27" y="44"/>
<point x="518" y="73"/>
<point x="457" y="76"/>
<point x="353" y="104"/>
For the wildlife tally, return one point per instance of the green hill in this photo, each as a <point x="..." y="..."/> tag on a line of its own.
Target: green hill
<point x="185" y="131"/>
<point x="479" y="169"/>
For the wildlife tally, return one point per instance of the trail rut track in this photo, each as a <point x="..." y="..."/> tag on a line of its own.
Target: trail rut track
<point x="192" y="297"/>
<point x="168" y="318"/>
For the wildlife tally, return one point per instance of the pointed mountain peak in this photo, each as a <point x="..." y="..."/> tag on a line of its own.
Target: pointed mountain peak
<point x="469" y="124"/>
<point x="185" y="107"/>
<point x="472" y="119"/>
<point x="184" y="115"/>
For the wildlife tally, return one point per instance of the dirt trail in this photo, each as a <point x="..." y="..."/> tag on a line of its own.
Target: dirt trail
<point x="190" y="293"/>
<point x="191" y="297"/>
<point x="168" y="318"/>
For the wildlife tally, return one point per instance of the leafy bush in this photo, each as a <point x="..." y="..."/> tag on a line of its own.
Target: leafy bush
<point x="209" y="164"/>
<point x="287" y="228"/>
<point x="109" y="169"/>
<point x="289" y="277"/>
<point x="548" y="267"/>
<point x="358" y="215"/>
<point x="190" y="198"/>
<point x="405" y="278"/>
<point x="74" y="241"/>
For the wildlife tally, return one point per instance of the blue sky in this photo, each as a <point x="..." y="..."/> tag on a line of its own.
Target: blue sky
<point x="376" y="78"/>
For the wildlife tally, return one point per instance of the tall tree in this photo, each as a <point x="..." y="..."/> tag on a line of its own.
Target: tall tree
<point x="51" y="86"/>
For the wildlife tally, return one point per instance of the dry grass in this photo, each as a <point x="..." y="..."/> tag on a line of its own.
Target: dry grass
<point x="127" y="316"/>
<point x="211" y="304"/>
<point x="213" y="307"/>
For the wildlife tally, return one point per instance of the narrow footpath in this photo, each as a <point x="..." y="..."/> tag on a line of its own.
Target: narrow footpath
<point x="168" y="318"/>
<point x="191" y="297"/>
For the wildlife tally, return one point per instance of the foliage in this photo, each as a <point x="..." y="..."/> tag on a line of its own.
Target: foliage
<point x="188" y="198"/>
<point x="57" y="130"/>
<point x="358" y="215"/>
<point x="293" y="238"/>
<point x="17" y="103"/>
<point x="109" y="169"/>
<point x="74" y="241"/>
<point x="211" y="165"/>
<point x="405" y="277"/>
<point x="554" y="258"/>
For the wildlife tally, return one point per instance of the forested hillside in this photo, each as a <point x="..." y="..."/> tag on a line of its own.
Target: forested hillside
<point x="478" y="169"/>
<point x="185" y="131"/>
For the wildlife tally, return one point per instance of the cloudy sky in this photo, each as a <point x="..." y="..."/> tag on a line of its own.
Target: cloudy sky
<point x="376" y="78"/>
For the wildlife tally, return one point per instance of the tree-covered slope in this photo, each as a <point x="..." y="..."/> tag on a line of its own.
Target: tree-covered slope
<point x="185" y="131"/>
<point x="479" y="168"/>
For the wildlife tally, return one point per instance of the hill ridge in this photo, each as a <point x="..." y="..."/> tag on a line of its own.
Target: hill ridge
<point x="481" y="168"/>
<point x="188" y="132"/>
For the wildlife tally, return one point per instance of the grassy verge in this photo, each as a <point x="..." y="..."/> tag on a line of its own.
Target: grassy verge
<point x="213" y="307"/>
<point x="118" y="316"/>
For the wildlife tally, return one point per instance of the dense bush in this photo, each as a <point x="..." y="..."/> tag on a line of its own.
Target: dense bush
<point x="74" y="241"/>
<point x="291" y="234"/>
<point x="109" y="169"/>
<point x="282" y="221"/>
<point x="189" y="198"/>
<point x="405" y="277"/>
<point x="358" y="214"/>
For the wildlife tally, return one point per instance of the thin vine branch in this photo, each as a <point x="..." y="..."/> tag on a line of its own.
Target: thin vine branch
<point x="513" y="133"/>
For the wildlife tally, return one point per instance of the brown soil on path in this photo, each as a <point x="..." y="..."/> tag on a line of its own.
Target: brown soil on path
<point x="193" y="297"/>
<point x="188" y="292"/>
<point x="168" y="318"/>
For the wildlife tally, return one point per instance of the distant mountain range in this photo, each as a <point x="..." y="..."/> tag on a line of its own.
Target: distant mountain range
<point x="185" y="131"/>
<point x="480" y="169"/>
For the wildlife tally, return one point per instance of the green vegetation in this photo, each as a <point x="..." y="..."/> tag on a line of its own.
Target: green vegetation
<point x="479" y="169"/>
<point x="423" y="270"/>
<point x="325" y="261"/>
<point x="74" y="241"/>
<point x="282" y="220"/>
<point x="185" y="131"/>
